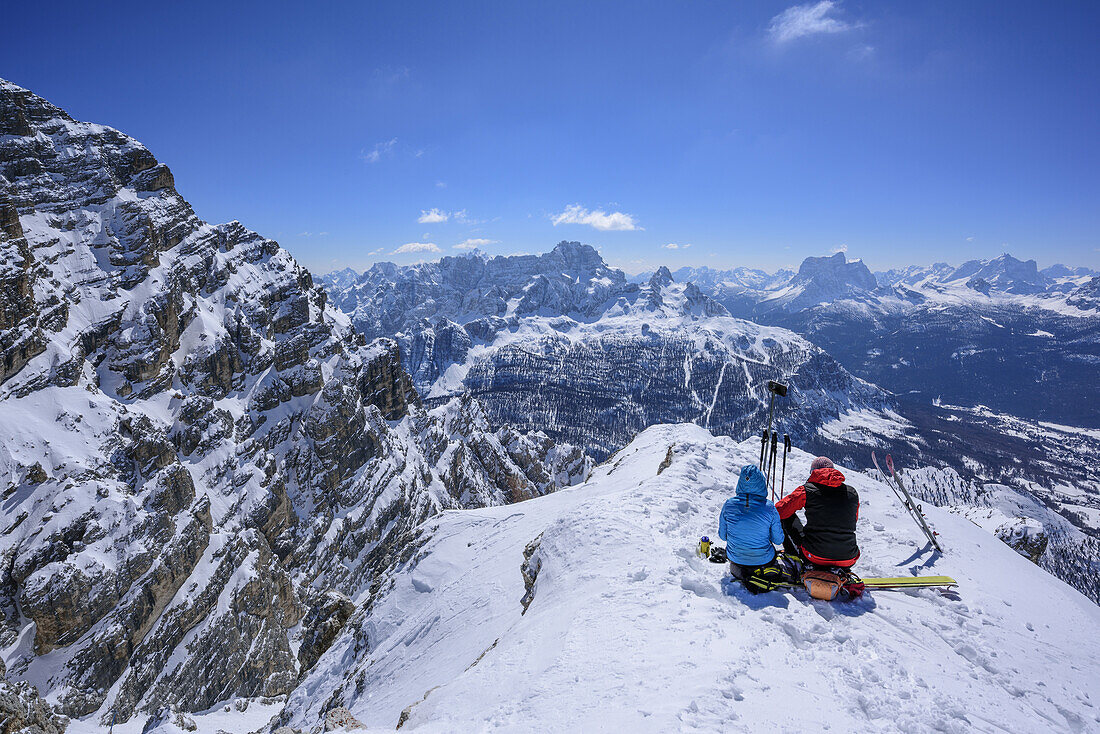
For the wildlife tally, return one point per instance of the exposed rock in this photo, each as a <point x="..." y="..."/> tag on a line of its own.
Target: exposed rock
<point x="322" y="624"/>
<point x="532" y="562"/>
<point x="340" y="719"/>
<point x="667" y="461"/>
<point x="22" y="710"/>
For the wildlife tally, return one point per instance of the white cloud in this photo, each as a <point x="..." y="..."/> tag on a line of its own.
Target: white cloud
<point x="433" y="216"/>
<point x="840" y="248"/>
<point x="464" y="218"/>
<point x="810" y="19"/>
<point x="474" y="243"/>
<point x="441" y="184"/>
<point x="376" y="252"/>
<point x="597" y="219"/>
<point x="674" y="246"/>
<point x="380" y="149"/>
<point x="416" y="247"/>
<point x="969" y="239"/>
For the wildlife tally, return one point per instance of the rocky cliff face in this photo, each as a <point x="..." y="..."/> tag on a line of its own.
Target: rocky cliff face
<point x="197" y="453"/>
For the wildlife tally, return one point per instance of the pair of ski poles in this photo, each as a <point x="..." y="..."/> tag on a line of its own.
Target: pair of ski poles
<point x="768" y="459"/>
<point x="914" y="510"/>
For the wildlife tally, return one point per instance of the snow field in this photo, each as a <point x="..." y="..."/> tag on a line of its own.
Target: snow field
<point x="630" y="631"/>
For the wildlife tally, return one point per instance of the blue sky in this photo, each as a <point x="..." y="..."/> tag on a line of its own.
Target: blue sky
<point x="743" y="133"/>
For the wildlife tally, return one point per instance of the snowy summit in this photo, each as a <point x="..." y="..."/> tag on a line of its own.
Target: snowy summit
<point x="628" y="630"/>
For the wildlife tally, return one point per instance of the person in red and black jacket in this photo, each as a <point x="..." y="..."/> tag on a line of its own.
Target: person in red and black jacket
<point x="832" y="507"/>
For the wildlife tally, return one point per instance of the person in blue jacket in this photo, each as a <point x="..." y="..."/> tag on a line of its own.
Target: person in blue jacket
<point x="750" y="525"/>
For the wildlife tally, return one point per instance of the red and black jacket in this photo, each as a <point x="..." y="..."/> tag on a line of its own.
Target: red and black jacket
<point x="832" y="508"/>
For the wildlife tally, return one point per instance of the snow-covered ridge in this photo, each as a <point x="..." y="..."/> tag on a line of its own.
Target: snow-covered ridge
<point x="627" y="630"/>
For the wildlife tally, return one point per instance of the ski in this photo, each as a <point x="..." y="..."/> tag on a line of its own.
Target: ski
<point x="906" y="582"/>
<point x="914" y="510"/>
<point x="895" y="584"/>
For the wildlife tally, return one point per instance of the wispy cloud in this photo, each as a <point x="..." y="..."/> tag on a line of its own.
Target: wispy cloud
<point x="674" y="246"/>
<point x="472" y="244"/>
<point x="810" y="19"/>
<point x="433" y="216"/>
<point x="463" y="218"/>
<point x="416" y="247"/>
<point x="597" y="219"/>
<point x="387" y="76"/>
<point x="840" y="248"/>
<point x="380" y="149"/>
<point x="970" y="239"/>
<point x="441" y="184"/>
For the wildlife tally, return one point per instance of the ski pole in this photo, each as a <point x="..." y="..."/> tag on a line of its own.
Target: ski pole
<point x="763" y="448"/>
<point x="774" y="388"/>
<point x="771" y="463"/>
<point x="783" y="479"/>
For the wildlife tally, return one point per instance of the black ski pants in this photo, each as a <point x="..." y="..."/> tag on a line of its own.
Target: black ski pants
<point x="793" y="535"/>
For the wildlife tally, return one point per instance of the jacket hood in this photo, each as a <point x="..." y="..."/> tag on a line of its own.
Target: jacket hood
<point x="752" y="484"/>
<point x="827" y="477"/>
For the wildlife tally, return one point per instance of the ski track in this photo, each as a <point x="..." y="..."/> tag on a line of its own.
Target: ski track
<point x="630" y="631"/>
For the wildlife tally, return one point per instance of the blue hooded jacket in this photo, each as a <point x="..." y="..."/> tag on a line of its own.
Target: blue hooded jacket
<point x="749" y="523"/>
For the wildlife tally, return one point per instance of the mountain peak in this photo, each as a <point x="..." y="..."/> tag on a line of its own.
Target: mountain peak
<point x="661" y="278"/>
<point x="576" y="256"/>
<point x="837" y="271"/>
<point x="21" y="110"/>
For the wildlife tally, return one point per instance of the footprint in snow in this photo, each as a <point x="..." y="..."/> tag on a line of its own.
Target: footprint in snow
<point x="699" y="588"/>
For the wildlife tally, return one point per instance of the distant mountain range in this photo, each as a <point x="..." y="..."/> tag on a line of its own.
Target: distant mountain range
<point x="565" y="342"/>
<point x="994" y="332"/>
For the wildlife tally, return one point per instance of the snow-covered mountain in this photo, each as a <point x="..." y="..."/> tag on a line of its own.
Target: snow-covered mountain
<point x="989" y="332"/>
<point x="565" y="343"/>
<point x="587" y="610"/>
<point x="201" y="461"/>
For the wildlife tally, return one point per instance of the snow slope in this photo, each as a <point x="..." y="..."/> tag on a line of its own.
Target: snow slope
<point x="629" y="631"/>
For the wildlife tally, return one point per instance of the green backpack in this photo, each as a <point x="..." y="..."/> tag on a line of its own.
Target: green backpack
<point x="765" y="578"/>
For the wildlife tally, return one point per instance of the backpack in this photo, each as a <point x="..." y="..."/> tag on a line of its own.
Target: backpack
<point x="764" y="578"/>
<point x="823" y="585"/>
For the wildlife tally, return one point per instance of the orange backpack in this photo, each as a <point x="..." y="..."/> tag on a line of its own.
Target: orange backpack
<point x="822" y="584"/>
